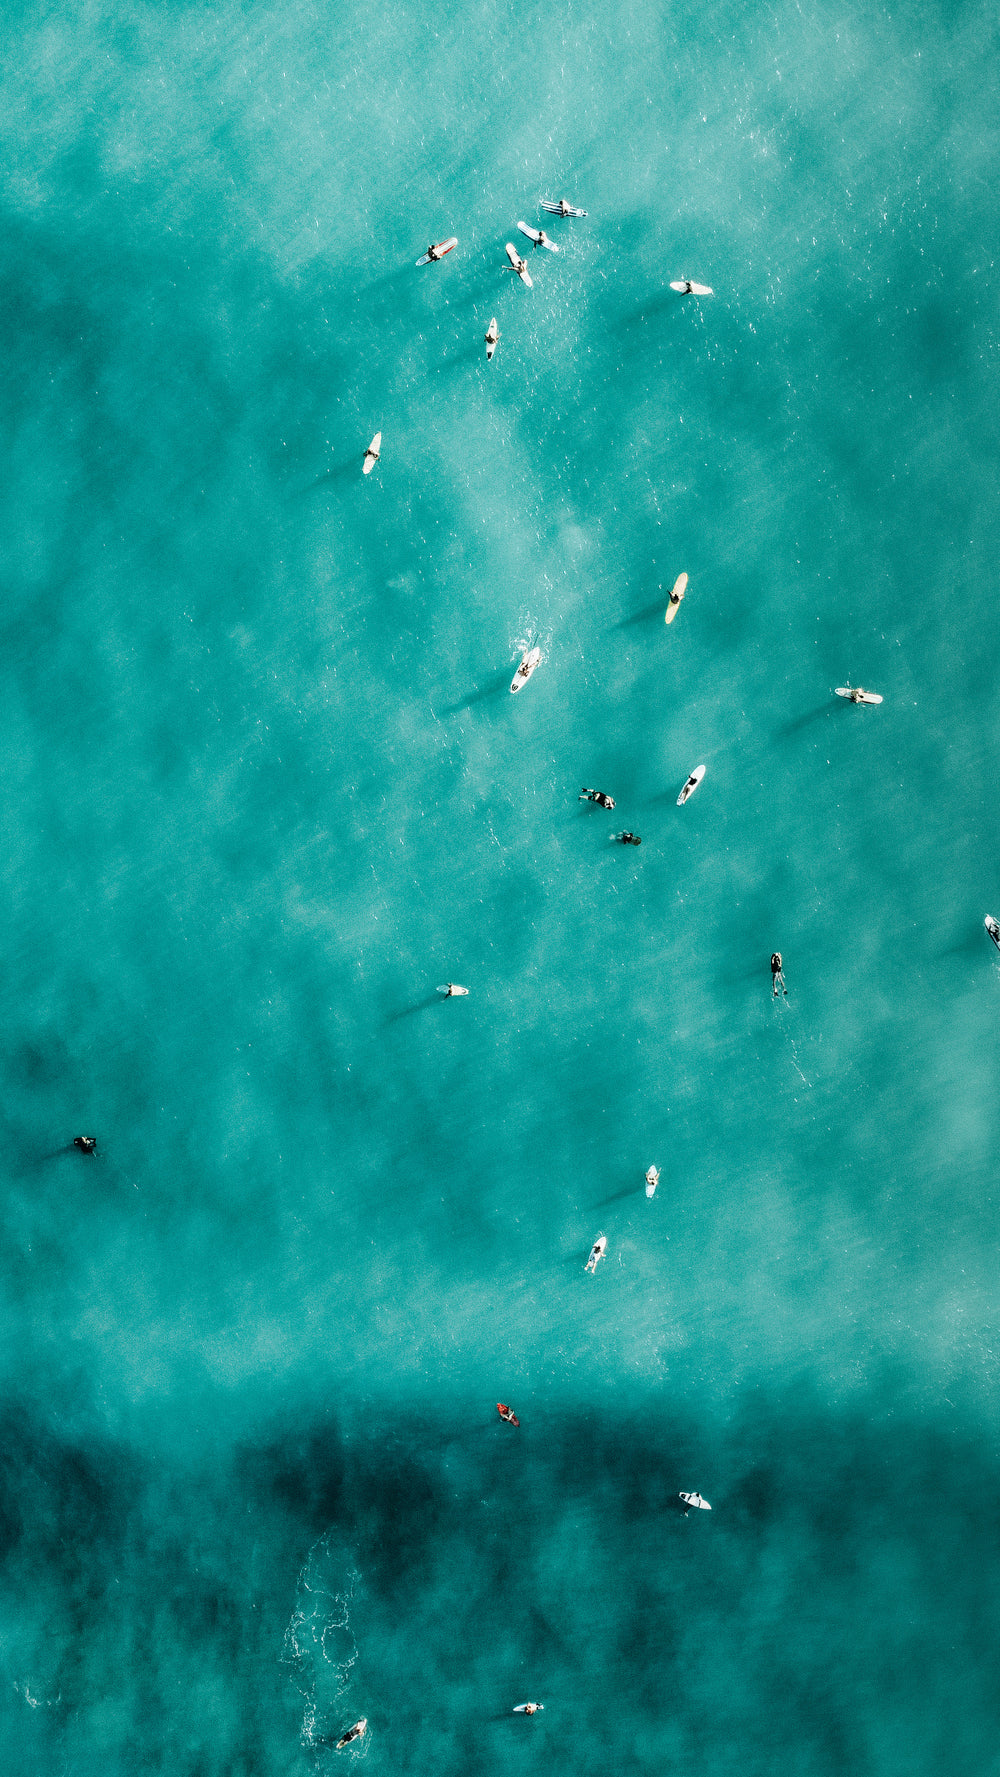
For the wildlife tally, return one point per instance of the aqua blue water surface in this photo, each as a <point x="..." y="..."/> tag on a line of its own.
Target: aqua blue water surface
<point x="265" y="790"/>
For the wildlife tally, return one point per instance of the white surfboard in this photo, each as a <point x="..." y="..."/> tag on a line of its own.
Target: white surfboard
<point x="679" y="589"/>
<point x="597" y="1253"/>
<point x="993" y="929"/>
<point x="528" y="1708"/>
<point x="559" y="207"/>
<point x="529" y="660"/>
<point x="856" y="694"/>
<point x="372" y="454"/>
<point x="652" y="1180"/>
<point x="686" y="288"/>
<point x="451" y="990"/>
<point x="692" y="784"/>
<point x="492" y="336"/>
<point x="438" y="251"/>
<point x="695" y="1499"/>
<point x="354" y="1733"/>
<point x="539" y="236"/>
<point x="518" y="265"/>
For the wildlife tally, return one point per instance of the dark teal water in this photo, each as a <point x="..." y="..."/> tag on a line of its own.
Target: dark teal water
<point x="264" y="789"/>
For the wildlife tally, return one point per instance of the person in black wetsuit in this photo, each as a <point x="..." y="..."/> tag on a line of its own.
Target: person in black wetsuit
<point x="628" y="839"/>
<point x="87" y="1144"/>
<point x="597" y="796"/>
<point x="777" y="978"/>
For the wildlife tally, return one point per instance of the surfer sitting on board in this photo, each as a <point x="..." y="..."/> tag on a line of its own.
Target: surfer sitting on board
<point x="628" y="839"/>
<point x="597" y="796"/>
<point x="507" y="1413"/>
<point x="777" y="978"/>
<point x="87" y="1144"/>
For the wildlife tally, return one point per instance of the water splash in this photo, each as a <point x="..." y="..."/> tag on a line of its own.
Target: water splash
<point x="319" y="1643"/>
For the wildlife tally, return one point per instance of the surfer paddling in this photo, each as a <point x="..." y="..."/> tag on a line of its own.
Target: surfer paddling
<point x="597" y="796"/>
<point x="777" y="977"/>
<point x="354" y="1733"/>
<point x="597" y="1253"/>
<point x="492" y="336"/>
<point x="627" y="839"/>
<point x="528" y="1708"/>
<point x="507" y="1413"/>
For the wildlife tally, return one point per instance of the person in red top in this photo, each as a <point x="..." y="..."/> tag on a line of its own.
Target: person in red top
<point x="507" y="1413"/>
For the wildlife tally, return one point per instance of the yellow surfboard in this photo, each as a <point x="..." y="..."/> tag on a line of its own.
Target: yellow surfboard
<point x="680" y="588"/>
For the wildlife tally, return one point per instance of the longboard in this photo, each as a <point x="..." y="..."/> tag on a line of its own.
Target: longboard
<point x="692" y="784"/>
<point x="856" y="694"/>
<point x="492" y="336"/>
<point x="679" y="589"/>
<point x="539" y="236"/>
<point x="518" y="265"/>
<point x="440" y="249"/>
<point x="372" y="454"/>
<point x="529" y="660"/>
<point x="695" y="1499"/>
<point x="993" y="929"/>
<point x="559" y="207"/>
<point x="686" y="288"/>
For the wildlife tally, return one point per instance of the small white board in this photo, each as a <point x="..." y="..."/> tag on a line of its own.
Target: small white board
<point x="451" y="990"/>
<point x="597" y="1253"/>
<point x="652" y="1180"/>
<point x="539" y="236"/>
<point x="679" y="589"/>
<point x="559" y="207"/>
<point x="686" y="288"/>
<point x="695" y="1499"/>
<point x="692" y="784"/>
<point x="438" y="251"/>
<point x="856" y="694"/>
<point x="372" y="454"/>
<point x="993" y="929"/>
<point x="492" y="336"/>
<point x="518" y="265"/>
<point x="529" y="660"/>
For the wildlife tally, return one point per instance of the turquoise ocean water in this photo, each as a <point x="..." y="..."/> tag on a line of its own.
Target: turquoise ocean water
<point x="264" y="790"/>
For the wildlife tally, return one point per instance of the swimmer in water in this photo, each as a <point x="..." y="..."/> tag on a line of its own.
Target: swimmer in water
<point x="628" y="838"/>
<point x="597" y="796"/>
<point x="777" y="978"/>
<point x="87" y="1144"/>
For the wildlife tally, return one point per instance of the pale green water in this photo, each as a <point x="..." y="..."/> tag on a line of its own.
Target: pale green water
<point x="265" y="789"/>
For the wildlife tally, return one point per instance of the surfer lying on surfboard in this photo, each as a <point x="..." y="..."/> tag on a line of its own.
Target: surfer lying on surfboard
<point x="597" y="796"/>
<point x="597" y="1253"/>
<point x="507" y="1413"/>
<point x="354" y="1733"/>
<point x="626" y="838"/>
